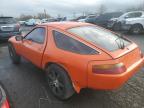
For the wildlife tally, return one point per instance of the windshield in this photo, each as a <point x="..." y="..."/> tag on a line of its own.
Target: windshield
<point x="100" y="36"/>
<point x="7" y="20"/>
<point x="107" y="16"/>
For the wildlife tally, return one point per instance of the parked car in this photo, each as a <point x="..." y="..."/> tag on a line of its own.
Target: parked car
<point x="87" y="18"/>
<point x="79" y="18"/>
<point x="90" y="18"/>
<point x="4" y="103"/>
<point x="44" y="20"/>
<point x="8" y="27"/>
<point x="61" y="19"/>
<point x="78" y="55"/>
<point x="130" y="21"/>
<point x="103" y="19"/>
<point x="22" y="22"/>
<point x="52" y="20"/>
<point x="32" y="22"/>
<point x="37" y="21"/>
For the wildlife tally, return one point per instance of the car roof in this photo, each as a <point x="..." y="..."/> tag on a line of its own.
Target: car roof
<point x="65" y="25"/>
<point x="6" y="17"/>
<point x="135" y="11"/>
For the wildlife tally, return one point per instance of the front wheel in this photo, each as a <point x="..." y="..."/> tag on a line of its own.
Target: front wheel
<point x="13" y="55"/>
<point x="59" y="82"/>
<point x="117" y="26"/>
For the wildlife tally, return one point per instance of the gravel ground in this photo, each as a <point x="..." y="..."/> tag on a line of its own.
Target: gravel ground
<point x="27" y="88"/>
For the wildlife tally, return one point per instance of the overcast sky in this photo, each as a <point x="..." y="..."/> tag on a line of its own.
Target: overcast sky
<point x="62" y="7"/>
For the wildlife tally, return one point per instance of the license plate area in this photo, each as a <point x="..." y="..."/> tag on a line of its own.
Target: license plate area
<point x="7" y="28"/>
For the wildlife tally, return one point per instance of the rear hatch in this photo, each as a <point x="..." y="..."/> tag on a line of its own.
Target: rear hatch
<point x="115" y="45"/>
<point x="8" y="24"/>
<point x="128" y="56"/>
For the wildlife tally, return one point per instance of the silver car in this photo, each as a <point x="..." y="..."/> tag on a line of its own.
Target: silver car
<point x="8" y="27"/>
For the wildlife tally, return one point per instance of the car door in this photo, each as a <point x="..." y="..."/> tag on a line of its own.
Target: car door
<point x="33" y="45"/>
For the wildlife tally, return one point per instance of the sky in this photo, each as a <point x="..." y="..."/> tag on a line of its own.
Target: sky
<point x="61" y="7"/>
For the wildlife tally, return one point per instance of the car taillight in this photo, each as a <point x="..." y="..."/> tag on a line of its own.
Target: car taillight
<point x="5" y="104"/>
<point x="109" y="69"/>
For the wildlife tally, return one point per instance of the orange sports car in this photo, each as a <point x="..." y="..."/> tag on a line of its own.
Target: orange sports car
<point x="78" y="55"/>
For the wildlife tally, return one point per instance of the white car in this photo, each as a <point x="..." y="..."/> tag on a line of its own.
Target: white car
<point x="81" y="20"/>
<point x="38" y="21"/>
<point x="21" y="22"/>
<point x="44" y="20"/>
<point x="32" y="22"/>
<point x="130" y="21"/>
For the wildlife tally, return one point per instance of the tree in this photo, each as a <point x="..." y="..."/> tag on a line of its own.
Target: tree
<point x="42" y="15"/>
<point x="102" y="9"/>
<point x="25" y="17"/>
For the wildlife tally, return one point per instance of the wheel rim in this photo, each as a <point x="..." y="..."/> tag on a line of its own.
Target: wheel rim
<point x="136" y="30"/>
<point x="56" y="83"/>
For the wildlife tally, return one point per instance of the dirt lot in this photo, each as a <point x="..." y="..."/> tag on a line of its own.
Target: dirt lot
<point x="27" y="88"/>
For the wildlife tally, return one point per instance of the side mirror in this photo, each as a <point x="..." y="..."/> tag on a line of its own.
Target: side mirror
<point x="19" y="38"/>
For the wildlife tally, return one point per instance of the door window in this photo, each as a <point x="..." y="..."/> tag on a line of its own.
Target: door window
<point x="37" y="35"/>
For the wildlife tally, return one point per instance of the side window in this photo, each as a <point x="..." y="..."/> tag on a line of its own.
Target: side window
<point x="37" y="35"/>
<point x="138" y="14"/>
<point x="134" y="15"/>
<point x="69" y="44"/>
<point x="130" y="15"/>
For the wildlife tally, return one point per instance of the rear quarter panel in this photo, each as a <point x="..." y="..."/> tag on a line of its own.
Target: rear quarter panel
<point x="75" y="64"/>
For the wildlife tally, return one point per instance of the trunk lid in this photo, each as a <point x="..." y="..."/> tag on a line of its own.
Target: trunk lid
<point x="128" y="55"/>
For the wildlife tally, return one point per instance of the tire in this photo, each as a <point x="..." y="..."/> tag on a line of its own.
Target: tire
<point x="117" y="26"/>
<point x="59" y="82"/>
<point x="13" y="55"/>
<point x="136" y="29"/>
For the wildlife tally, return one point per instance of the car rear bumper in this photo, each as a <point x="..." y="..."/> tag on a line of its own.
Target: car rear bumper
<point x="113" y="81"/>
<point x="6" y="36"/>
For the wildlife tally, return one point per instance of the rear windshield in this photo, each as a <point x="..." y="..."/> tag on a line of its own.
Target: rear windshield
<point x="100" y="36"/>
<point x="7" y="20"/>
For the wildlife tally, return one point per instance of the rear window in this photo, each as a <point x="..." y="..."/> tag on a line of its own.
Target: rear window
<point x="7" y="20"/>
<point x="100" y="36"/>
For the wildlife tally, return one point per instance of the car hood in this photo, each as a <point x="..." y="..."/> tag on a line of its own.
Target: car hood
<point x="113" y="19"/>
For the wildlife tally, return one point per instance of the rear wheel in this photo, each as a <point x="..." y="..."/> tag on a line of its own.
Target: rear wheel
<point x="13" y="55"/>
<point x="59" y="82"/>
<point x="136" y="29"/>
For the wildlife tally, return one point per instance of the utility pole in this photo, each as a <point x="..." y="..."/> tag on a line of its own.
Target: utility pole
<point x="45" y="13"/>
<point x="143" y="4"/>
